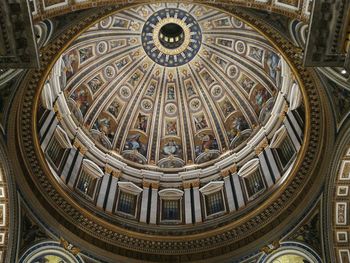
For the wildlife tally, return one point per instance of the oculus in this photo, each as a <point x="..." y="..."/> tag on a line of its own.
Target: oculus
<point x="171" y="37"/>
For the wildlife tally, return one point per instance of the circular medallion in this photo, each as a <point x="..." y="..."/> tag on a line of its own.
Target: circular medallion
<point x="171" y="37"/>
<point x="195" y="104"/>
<point x="232" y="71"/>
<point x="237" y="23"/>
<point x="125" y="92"/>
<point x="109" y="72"/>
<point x="105" y="23"/>
<point x="102" y="47"/>
<point x="240" y="47"/>
<point x="216" y="91"/>
<point x="146" y="105"/>
<point x="171" y="109"/>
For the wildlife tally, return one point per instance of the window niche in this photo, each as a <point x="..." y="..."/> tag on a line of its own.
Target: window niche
<point x="57" y="150"/>
<point x="45" y="105"/>
<point x="128" y="198"/>
<point x="213" y="197"/>
<point x="283" y="148"/>
<point x="89" y="179"/>
<point x="171" y="205"/>
<point x="252" y="179"/>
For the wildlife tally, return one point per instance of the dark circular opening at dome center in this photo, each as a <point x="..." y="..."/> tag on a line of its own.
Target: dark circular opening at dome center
<point x="171" y="35"/>
<point x="171" y="30"/>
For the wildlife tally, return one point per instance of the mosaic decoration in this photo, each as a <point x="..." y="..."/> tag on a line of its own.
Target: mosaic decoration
<point x="256" y="54"/>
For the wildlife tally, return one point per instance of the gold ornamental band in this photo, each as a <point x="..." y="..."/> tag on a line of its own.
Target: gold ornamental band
<point x="165" y="50"/>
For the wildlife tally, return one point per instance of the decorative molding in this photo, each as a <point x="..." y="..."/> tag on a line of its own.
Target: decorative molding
<point x="130" y="188"/>
<point x="69" y="247"/>
<point x="170" y="193"/>
<point x="271" y="247"/>
<point x="189" y="184"/>
<point x="249" y="167"/>
<point x="212" y="187"/>
<point x="264" y="143"/>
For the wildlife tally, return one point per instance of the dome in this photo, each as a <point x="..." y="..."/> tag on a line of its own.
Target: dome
<point x="213" y="98"/>
<point x="169" y="120"/>
<point x="193" y="131"/>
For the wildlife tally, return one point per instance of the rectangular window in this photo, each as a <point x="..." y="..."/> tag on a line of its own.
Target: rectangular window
<point x="42" y="115"/>
<point x="285" y="152"/>
<point x="127" y="203"/>
<point x="299" y="115"/>
<point x="56" y="153"/>
<point x="254" y="183"/>
<point x="87" y="184"/>
<point x="171" y="210"/>
<point x="214" y="203"/>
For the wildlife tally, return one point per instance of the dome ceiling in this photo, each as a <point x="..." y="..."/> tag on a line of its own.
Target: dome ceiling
<point x="172" y="86"/>
<point x="169" y="120"/>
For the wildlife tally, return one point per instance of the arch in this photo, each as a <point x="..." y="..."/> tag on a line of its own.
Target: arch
<point x="292" y="249"/>
<point x="335" y="198"/>
<point x="50" y="249"/>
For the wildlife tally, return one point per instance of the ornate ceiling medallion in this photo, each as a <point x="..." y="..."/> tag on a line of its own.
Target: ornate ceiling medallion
<point x="171" y="37"/>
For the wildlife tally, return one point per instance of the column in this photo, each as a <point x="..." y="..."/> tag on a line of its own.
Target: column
<point x="72" y="177"/>
<point x="46" y="124"/>
<point x="144" y="202"/>
<point x="292" y="134"/>
<point x="272" y="161"/>
<point x="187" y="200"/>
<point x="295" y="123"/>
<point x="197" y="202"/>
<point x="154" y="204"/>
<point x="228" y="189"/>
<point x="265" y="169"/>
<point x="104" y="188"/>
<point x="48" y="133"/>
<point x="112" y="191"/>
<point x="238" y="189"/>
<point x="68" y="164"/>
